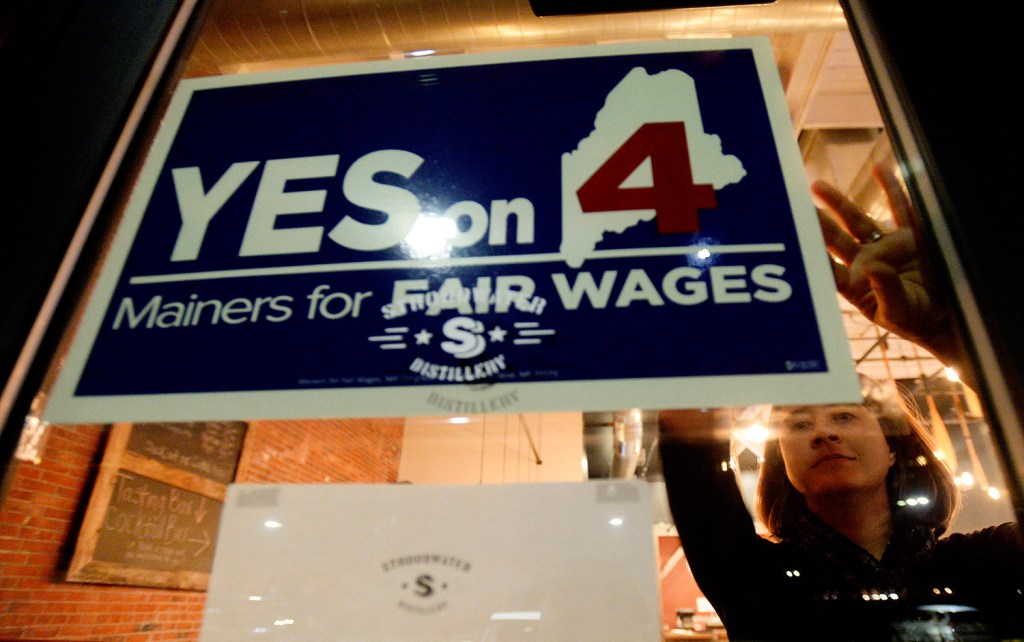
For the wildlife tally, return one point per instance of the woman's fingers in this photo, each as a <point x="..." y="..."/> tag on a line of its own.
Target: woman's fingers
<point x="899" y="202"/>
<point x="889" y="269"/>
<point x="838" y="241"/>
<point x="893" y="306"/>
<point x="895" y="248"/>
<point x="857" y="223"/>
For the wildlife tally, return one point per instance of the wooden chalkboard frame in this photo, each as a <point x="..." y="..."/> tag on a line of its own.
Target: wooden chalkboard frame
<point x="84" y="566"/>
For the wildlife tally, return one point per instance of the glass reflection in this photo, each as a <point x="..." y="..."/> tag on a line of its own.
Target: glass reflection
<point x="430" y="237"/>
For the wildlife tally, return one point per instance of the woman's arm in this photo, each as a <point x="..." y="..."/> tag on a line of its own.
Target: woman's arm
<point x="717" y="532"/>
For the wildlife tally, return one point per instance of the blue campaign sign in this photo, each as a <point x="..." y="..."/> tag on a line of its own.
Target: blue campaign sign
<point x="580" y="228"/>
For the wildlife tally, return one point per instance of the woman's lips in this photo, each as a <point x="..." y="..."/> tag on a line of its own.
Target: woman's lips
<point x="832" y="457"/>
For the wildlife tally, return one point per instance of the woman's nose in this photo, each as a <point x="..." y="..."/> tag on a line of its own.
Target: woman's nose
<point x="823" y="433"/>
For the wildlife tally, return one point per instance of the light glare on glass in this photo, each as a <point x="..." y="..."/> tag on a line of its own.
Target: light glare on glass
<point x="757" y="433"/>
<point x="430" y="237"/>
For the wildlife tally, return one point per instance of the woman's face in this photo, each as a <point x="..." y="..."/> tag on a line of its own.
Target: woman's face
<point x="833" y="449"/>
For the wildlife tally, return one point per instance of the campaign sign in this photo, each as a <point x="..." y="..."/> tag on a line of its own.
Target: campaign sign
<point x="576" y="228"/>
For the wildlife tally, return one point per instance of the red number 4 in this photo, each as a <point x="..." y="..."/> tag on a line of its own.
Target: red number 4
<point x="674" y="197"/>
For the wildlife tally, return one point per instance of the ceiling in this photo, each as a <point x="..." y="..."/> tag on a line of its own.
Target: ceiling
<point x="833" y="110"/>
<point x="241" y="35"/>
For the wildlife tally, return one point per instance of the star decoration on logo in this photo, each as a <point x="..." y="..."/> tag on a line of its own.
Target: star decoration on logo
<point x="497" y="334"/>
<point x="423" y="337"/>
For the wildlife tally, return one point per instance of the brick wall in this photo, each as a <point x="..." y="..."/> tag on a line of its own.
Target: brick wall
<point x="327" y="451"/>
<point x="44" y="504"/>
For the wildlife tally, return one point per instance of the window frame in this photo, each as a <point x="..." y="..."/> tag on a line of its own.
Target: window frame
<point x="901" y="54"/>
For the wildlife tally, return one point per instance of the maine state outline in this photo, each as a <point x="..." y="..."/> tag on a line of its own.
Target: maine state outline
<point x="639" y="99"/>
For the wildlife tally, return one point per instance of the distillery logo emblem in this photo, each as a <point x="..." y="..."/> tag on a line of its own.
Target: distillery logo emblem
<point x="424" y="581"/>
<point x="492" y="315"/>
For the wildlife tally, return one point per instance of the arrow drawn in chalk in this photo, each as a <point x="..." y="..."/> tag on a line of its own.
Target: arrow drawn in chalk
<point x="205" y="541"/>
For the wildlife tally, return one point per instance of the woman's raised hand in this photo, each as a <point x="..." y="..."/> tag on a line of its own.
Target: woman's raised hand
<point x="881" y="273"/>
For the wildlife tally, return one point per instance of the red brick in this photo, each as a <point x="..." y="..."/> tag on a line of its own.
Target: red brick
<point x="9" y="558"/>
<point x="35" y="523"/>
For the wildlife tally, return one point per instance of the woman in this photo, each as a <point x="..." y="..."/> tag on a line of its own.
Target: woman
<point x="853" y="497"/>
<point x="855" y="467"/>
<point x="854" y="501"/>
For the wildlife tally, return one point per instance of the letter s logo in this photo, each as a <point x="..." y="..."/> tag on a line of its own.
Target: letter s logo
<point x="424" y="584"/>
<point x="464" y="333"/>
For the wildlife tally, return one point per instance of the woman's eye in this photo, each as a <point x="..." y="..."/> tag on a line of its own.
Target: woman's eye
<point x="800" y="425"/>
<point x="843" y="417"/>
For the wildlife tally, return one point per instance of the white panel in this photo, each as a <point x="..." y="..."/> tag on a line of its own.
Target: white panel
<point x="530" y="562"/>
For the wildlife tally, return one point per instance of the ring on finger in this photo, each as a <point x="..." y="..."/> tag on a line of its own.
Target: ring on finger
<point x="874" y="237"/>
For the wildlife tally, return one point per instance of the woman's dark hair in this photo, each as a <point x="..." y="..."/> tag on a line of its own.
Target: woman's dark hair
<point x="916" y="473"/>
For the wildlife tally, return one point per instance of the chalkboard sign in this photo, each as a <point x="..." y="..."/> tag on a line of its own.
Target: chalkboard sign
<point x="153" y="516"/>
<point x="208" y="449"/>
<point x="151" y="524"/>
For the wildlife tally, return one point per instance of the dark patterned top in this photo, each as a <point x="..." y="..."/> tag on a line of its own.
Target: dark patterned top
<point x="818" y="585"/>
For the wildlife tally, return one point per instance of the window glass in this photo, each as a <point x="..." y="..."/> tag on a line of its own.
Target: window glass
<point x="108" y="531"/>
